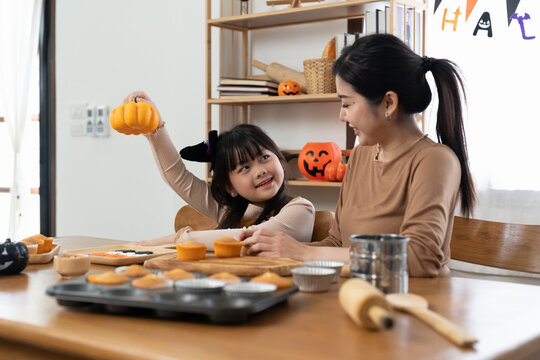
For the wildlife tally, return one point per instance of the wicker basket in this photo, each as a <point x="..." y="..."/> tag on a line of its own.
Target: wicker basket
<point x="318" y="74"/>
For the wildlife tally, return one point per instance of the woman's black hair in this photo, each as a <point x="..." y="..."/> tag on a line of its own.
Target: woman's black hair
<point x="240" y="144"/>
<point x="376" y="64"/>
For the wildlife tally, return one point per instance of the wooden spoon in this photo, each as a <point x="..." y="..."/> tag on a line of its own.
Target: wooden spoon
<point x="418" y="306"/>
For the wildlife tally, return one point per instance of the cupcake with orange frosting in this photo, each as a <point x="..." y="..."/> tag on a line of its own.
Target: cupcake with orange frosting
<point x="191" y="250"/>
<point x="227" y="247"/>
<point x="45" y="244"/>
<point x="273" y="278"/>
<point x="226" y="277"/>
<point x="108" y="278"/>
<point x="133" y="271"/>
<point x="177" y="274"/>
<point x="151" y="281"/>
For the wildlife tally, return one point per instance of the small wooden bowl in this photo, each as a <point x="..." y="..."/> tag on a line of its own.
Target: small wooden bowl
<point x="70" y="266"/>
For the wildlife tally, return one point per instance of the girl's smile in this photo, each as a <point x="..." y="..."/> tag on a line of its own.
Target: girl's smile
<point x="258" y="180"/>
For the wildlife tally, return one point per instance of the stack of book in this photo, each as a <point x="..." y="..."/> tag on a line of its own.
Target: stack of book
<point x="246" y="87"/>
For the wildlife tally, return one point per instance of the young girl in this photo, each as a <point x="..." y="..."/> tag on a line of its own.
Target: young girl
<point x="248" y="183"/>
<point x="398" y="180"/>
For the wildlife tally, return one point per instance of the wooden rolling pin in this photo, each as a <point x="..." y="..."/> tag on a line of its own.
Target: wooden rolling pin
<point x="365" y="304"/>
<point x="279" y="73"/>
<point x="418" y="306"/>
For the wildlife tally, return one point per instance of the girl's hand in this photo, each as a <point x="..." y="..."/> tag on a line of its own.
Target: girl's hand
<point x="270" y="243"/>
<point x="142" y="96"/>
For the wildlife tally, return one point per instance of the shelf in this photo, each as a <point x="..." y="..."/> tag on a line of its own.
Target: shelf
<point x="314" y="183"/>
<point x="301" y="15"/>
<point x="267" y="99"/>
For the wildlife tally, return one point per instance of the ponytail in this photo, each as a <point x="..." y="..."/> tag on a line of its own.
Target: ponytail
<point x="449" y="127"/>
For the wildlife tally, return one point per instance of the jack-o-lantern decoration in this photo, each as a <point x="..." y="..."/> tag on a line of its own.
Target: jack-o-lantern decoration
<point x="13" y="257"/>
<point x="288" y="87"/>
<point x="315" y="156"/>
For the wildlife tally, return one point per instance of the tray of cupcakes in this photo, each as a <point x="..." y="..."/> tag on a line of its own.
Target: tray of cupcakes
<point x="220" y="298"/>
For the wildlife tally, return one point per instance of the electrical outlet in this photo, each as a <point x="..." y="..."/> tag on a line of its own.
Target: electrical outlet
<point x="90" y="122"/>
<point x="78" y="111"/>
<point x="102" y="121"/>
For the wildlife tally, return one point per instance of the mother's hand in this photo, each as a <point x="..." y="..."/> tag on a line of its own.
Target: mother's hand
<point x="270" y="243"/>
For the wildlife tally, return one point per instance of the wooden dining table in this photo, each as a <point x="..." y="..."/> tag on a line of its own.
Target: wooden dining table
<point x="505" y="317"/>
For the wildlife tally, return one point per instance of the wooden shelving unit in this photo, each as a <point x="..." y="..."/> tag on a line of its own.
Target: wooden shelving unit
<point x="347" y="9"/>
<point x="267" y="99"/>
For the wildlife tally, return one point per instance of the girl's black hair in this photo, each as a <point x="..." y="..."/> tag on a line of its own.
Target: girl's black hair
<point x="240" y="144"/>
<point x="379" y="63"/>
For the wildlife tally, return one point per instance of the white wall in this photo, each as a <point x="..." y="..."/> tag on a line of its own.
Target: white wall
<point x="110" y="187"/>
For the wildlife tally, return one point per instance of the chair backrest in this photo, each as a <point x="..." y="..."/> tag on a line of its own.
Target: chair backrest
<point x="188" y="216"/>
<point x="321" y="227"/>
<point x="495" y="244"/>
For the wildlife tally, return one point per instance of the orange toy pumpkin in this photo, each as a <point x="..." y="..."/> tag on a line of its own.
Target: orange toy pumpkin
<point x="134" y="118"/>
<point x="288" y="87"/>
<point x="335" y="171"/>
<point x="330" y="171"/>
<point x="341" y="170"/>
<point x="315" y="156"/>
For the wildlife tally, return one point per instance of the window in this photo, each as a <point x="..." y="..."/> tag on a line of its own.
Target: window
<point x="29" y="142"/>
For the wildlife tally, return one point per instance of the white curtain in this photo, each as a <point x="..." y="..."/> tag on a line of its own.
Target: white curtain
<point x="19" y="33"/>
<point x="502" y="126"/>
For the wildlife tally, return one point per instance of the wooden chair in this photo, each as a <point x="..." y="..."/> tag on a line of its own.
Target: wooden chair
<point x="321" y="227"/>
<point x="501" y="245"/>
<point x="188" y="216"/>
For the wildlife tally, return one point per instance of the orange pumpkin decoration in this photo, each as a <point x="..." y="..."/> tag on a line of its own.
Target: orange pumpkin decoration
<point x="335" y="171"/>
<point x="288" y="87"/>
<point x="134" y="118"/>
<point x="330" y="171"/>
<point x="341" y="170"/>
<point x="315" y="156"/>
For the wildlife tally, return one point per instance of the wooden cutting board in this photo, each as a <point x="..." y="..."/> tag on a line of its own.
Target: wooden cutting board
<point x="240" y="266"/>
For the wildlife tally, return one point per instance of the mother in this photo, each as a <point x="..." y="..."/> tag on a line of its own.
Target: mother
<point x="398" y="180"/>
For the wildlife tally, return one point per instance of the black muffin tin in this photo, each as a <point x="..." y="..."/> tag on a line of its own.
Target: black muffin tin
<point x="171" y="303"/>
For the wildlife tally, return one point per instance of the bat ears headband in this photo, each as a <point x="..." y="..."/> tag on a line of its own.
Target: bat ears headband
<point x="202" y="152"/>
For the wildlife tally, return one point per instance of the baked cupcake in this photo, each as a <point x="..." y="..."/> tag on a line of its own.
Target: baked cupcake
<point x="44" y="243"/>
<point x="226" y="277"/>
<point x="108" y="278"/>
<point x="151" y="281"/>
<point x="33" y="241"/>
<point x="133" y="271"/>
<point x="272" y="278"/>
<point x="191" y="250"/>
<point x="227" y="247"/>
<point x="177" y="274"/>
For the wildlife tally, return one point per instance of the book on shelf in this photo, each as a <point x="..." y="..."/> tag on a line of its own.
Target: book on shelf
<point x="400" y="15"/>
<point x="370" y="22"/>
<point x="375" y="21"/>
<point x="247" y="89"/>
<point x="239" y="93"/>
<point x="381" y="21"/>
<point x="346" y="39"/>
<point x="248" y="82"/>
